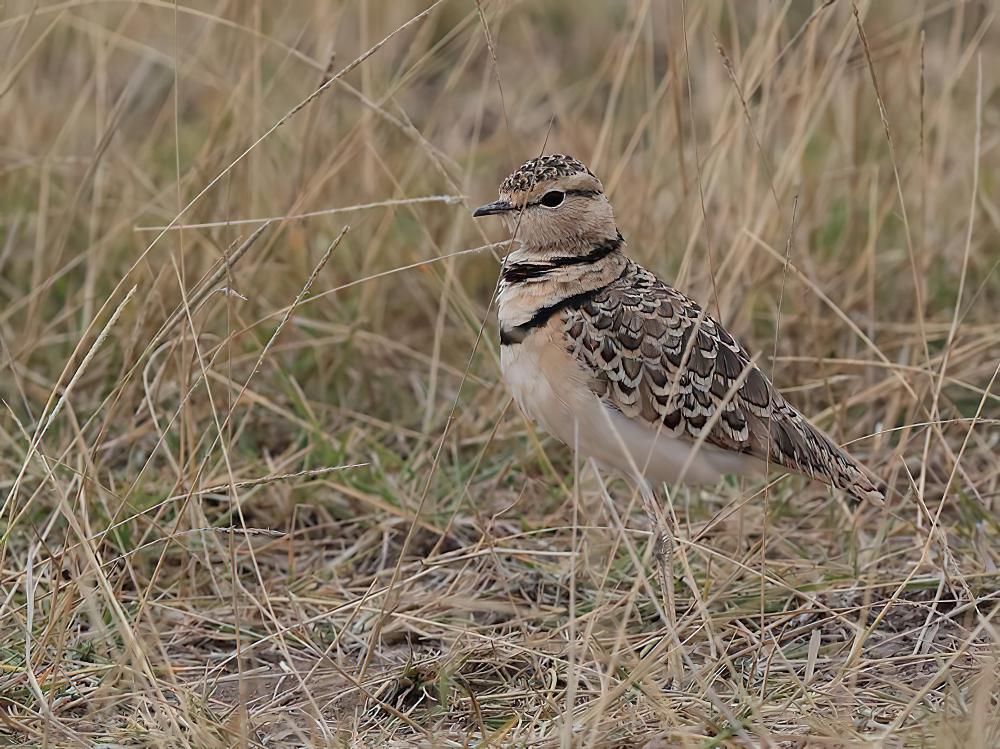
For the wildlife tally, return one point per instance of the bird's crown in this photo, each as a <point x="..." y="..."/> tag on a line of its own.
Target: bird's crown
<point x="542" y="169"/>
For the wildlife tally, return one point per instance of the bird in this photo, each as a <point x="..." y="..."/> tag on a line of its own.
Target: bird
<point x="628" y="370"/>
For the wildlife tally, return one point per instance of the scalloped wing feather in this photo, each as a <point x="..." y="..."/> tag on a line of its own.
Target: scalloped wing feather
<point x="655" y="356"/>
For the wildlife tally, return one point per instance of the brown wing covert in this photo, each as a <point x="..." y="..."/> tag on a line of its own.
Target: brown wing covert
<point x="654" y="355"/>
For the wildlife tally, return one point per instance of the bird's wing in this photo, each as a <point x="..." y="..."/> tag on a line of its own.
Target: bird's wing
<point x="656" y="356"/>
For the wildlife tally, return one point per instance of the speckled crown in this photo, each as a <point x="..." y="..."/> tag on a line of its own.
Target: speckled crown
<point x="542" y="169"/>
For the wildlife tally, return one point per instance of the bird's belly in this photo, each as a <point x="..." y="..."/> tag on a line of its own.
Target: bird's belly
<point x="553" y="390"/>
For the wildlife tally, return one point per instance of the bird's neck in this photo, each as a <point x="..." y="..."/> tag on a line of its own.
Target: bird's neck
<point x="536" y="277"/>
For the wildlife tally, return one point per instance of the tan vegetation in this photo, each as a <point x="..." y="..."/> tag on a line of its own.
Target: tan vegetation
<point x="271" y="492"/>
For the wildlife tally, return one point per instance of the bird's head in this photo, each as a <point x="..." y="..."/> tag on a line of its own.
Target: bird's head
<point x="554" y="201"/>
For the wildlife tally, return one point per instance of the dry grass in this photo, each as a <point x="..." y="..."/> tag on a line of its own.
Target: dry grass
<point x="237" y="510"/>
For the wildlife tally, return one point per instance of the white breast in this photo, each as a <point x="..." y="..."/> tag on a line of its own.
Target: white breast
<point x="548" y="386"/>
<point x="552" y="389"/>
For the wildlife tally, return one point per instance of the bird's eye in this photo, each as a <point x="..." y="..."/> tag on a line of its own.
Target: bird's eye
<point x="553" y="198"/>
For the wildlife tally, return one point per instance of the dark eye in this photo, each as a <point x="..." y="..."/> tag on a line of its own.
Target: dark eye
<point x="553" y="198"/>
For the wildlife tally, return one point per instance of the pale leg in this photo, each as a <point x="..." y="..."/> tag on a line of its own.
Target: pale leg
<point x="662" y="546"/>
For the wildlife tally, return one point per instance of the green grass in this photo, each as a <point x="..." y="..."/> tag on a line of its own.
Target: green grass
<point x="180" y="565"/>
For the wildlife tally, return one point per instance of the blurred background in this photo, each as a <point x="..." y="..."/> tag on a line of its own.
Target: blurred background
<point x="254" y="494"/>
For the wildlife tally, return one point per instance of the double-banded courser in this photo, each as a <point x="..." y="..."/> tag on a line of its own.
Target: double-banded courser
<point x="623" y="367"/>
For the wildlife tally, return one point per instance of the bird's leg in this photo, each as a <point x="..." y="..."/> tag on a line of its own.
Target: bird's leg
<point x="663" y="555"/>
<point x="662" y="546"/>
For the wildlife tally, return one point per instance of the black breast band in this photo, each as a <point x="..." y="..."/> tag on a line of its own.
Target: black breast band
<point x="511" y="336"/>
<point x="521" y="272"/>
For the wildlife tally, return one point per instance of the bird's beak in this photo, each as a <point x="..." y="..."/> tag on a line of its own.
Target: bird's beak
<point x="497" y="206"/>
